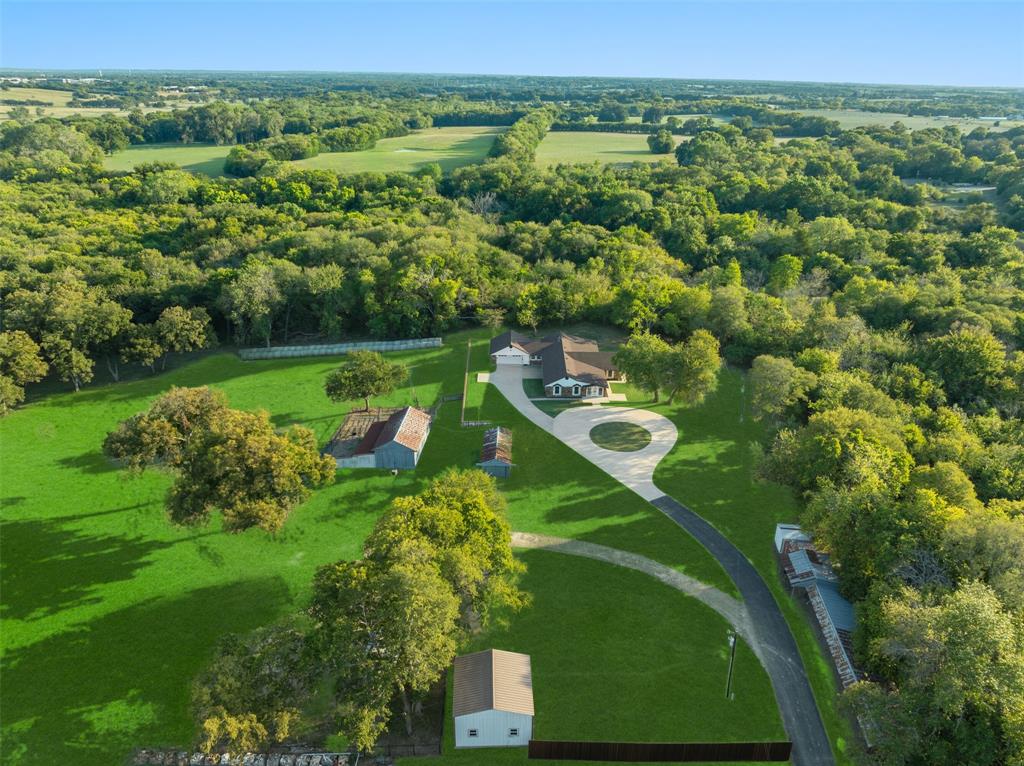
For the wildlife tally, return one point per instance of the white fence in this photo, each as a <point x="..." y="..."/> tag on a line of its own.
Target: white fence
<point x="332" y="349"/>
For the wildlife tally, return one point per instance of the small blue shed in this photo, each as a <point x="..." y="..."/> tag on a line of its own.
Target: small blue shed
<point x="496" y="454"/>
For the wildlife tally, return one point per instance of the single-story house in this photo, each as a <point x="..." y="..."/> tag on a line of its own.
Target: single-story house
<point x="396" y="442"/>
<point x="492" y="699"/>
<point x="496" y="454"/>
<point x="572" y="367"/>
<point x="808" y="569"/>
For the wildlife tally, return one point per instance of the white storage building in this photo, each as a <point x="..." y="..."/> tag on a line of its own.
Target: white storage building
<point x="492" y="699"/>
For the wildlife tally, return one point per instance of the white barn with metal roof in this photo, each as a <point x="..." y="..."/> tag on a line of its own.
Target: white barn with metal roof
<point x="492" y="699"/>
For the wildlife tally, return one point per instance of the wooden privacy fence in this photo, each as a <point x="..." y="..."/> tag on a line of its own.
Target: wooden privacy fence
<point x="671" y="752"/>
<point x="331" y="349"/>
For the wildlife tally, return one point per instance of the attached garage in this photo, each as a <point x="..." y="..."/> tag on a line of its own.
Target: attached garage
<point x="507" y="348"/>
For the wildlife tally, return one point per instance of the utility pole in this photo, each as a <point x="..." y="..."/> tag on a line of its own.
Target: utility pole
<point x="732" y="661"/>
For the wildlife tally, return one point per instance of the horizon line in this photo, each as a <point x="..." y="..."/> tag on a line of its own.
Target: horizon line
<point x="173" y="70"/>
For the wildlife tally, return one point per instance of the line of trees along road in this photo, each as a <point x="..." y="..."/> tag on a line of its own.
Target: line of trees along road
<point x="881" y="322"/>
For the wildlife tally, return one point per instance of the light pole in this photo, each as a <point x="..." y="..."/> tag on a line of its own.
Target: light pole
<point x="732" y="660"/>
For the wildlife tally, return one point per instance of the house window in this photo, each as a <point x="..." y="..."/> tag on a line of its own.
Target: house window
<point x="575" y="390"/>
<point x="556" y="390"/>
<point x="472" y="732"/>
<point x="513" y="732"/>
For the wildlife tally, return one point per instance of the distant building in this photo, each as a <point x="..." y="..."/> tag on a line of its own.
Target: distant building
<point x="492" y="699"/>
<point x="393" y="443"/>
<point x="573" y="367"/>
<point x="808" y="569"/>
<point x="496" y="454"/>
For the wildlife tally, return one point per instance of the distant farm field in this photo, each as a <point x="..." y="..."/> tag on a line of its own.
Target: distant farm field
<point x="57" y="102"/>
<point x="207" y="159"/>
<point x="853" y="118"/>
<point x="448" y="147"/>
<point x="607" y="148"/>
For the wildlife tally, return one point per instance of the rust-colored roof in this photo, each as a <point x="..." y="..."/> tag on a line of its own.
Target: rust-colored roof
<point x="497" y="445"/>
<point x="492" y="680"/>
<point x="408" y="427"/>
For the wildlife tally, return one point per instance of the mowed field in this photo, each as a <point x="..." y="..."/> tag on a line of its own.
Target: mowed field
<point x="853" y="118"/>
<point x="57" y="103"/>
<point x="607" y="148"/>
<point x="109" y="611"/>
<point x="448" y="147"/>
<point x="207" y="159"/>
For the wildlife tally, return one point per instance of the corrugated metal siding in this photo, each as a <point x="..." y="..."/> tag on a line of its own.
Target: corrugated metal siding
<point x="496" y="468"/>
<point x="357" y="461"/>
<point x="492" y="729"/>
<point x="394" y="455"/>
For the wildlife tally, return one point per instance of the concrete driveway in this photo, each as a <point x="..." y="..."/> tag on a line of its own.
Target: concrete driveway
<point x="634" y="469"/>
<point x="508" y="378"/>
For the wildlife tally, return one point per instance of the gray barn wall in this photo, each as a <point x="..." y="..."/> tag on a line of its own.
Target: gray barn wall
<point x="394" y="455"/>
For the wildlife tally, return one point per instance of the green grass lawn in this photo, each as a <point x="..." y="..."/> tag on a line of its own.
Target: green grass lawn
<point x="206" y="159"/>
<point x="108" y="611"/>
<point x="534" y="388"/>
<point x="448" y="147"/>
<point x="711" y="470"/>
<point x="620" y="437"/>
<point x="643" y="663"/>
<point x="606" y="148"/>
<point x="854" y="118"/>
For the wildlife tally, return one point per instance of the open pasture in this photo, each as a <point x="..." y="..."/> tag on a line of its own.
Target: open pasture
<point x="854" y="118"/>
<point x="57" y="103"/>
<point x="206" y="159"/>
<point x="566" y="146"/>
<point x="448" y="147"/>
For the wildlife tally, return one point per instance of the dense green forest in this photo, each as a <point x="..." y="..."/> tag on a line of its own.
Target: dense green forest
<point x="881" y="318"/>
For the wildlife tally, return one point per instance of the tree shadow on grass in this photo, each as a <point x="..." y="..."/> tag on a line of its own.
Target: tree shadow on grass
<point x="47" y="567"/>
<point x="89" y="462"/>
<point x="206" y="369"/>
<point x="89" y="696"/>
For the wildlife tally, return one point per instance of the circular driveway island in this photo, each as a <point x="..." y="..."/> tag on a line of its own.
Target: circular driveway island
<point x="634" y="468"/>
<point x="620" y="436"/>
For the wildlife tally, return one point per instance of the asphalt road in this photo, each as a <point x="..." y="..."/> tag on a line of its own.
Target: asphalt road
<point x="779" y="651"/>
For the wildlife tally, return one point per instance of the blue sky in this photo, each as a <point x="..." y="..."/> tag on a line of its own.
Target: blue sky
<point x="913" y="41"/>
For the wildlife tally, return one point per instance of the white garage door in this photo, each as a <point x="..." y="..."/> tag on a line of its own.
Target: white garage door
<point x="511" y="360"/>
